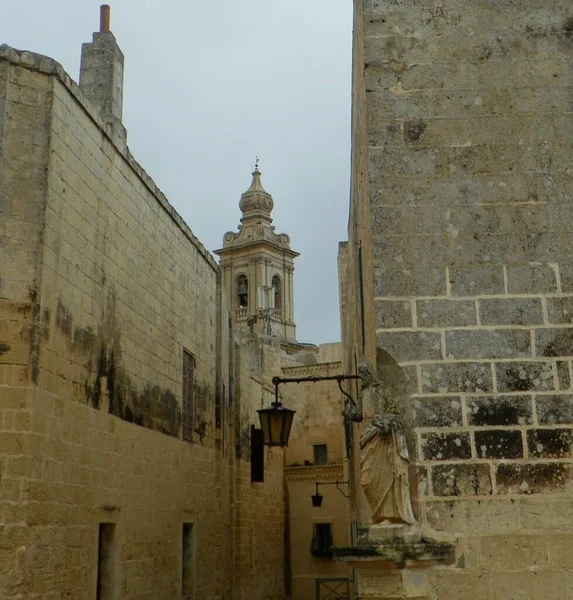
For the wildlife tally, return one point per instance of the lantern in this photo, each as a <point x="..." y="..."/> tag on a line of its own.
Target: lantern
<point x="276" y="422"/>
<point x="317" y="500"/>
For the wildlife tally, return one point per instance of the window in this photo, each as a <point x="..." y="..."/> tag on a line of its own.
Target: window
<point x="106" y="562"/>
<point x="188" y="400"/>
<point x="278" y="290"/>
<point x="320" y="454"/>
<point x="257" y="454"/>
<point x="321" y="540"/>
<point x="243" y="291"/>
<point x="188" y="562"/>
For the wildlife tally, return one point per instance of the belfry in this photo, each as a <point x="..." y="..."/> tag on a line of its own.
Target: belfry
<point x="258" y="268"/>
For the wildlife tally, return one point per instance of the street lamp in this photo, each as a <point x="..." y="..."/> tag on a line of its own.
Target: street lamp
<point x="276" y="420"/>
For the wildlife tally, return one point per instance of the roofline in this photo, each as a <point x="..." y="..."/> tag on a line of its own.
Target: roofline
<point x="49" y="66"/>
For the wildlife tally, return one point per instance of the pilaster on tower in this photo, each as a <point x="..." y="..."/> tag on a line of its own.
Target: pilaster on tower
<point x="258" y="267"/>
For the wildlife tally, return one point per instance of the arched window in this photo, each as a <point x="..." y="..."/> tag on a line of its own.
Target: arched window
<point x="278" y="291"/>
<point x="243" y="291"/>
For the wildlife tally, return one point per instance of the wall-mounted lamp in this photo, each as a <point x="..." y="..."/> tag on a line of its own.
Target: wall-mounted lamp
<point x="276" y="420"/>
<point x="317" y="497"/>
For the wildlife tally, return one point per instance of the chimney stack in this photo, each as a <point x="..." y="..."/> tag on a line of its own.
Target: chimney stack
<point x="104" y="17"/>
<point x="101" y="76"/>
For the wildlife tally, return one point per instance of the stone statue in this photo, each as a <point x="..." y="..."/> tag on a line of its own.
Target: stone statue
<point x="384" y="456"/>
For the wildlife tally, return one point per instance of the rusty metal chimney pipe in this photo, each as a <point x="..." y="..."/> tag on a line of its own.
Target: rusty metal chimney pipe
<point x="104" y="18"/>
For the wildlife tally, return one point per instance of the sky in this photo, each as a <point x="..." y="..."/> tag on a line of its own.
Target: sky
<point x="208" y="87"/>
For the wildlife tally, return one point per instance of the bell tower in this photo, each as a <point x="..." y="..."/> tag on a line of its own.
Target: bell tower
<point x="258" y="268"/>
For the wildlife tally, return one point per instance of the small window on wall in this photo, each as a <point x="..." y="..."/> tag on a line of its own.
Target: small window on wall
<point x="278" y="291"/>
<point x="105" y="586"/>
<point x="243" y="291"/>
<point x="257" y="455"/>
<point x="188" y="562"/>
<point x="321" y="540"/>
<point x="320" y="454"/>
<point x="188" y="399"/>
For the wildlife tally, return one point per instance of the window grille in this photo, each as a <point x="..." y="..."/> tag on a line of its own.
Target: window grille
<point x="321" y="540"/>
<point x="188" y="401"/>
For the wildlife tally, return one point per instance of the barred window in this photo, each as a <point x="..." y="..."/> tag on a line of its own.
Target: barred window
<point x="321" y="540"/>
<point x="188" y="400"/>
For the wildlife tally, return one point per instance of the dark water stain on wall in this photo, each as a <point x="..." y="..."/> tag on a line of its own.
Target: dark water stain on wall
<point x="153" y="407"/>
<point x="39" y="331"/>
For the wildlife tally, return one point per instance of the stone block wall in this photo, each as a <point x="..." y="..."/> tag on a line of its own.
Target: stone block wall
<point x="258" y="509"/>
<point x="318" y="420"/>
<point x="24" y="140"/>
<point x="103" y="288"/>
<point x="467" y="109"/>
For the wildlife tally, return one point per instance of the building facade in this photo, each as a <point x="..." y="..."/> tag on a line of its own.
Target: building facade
<point x="457" y="283"/>
<point x="126" y="400"/>
<point x="316" y="454"/>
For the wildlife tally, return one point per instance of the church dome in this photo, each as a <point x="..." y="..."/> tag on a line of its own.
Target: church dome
<point x="256" y="202"/>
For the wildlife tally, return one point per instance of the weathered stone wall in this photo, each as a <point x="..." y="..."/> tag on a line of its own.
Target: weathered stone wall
<point x="258" y="507"/>
<point x="103" y="287"/>
<point x="24" y="115"/>
<point x="306" y="568"/>
<point x="318" y="420"/>
<point x="468" y="113"/>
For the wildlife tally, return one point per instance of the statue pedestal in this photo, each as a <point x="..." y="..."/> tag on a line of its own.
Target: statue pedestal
<point x="390" y="533"/>
<point x="390" y="559"/>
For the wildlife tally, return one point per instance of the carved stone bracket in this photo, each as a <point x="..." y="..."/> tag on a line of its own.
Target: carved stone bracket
<point x="399" y="547"/>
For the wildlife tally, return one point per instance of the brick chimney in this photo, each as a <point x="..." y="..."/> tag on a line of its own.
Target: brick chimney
<point x="101" y="75"/>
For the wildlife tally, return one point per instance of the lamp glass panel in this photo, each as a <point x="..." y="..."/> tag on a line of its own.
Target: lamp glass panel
<point x="276" y="427"/>
<point x="288" y="418"/>
<point x="265" y="425"/>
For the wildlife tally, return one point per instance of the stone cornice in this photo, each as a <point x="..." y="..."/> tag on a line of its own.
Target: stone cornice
<point x="314" y="473"/>
<point x="228" y="250"/>
<point x="334" y="368"/>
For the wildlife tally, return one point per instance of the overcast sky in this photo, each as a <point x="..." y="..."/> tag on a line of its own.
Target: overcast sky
<point x="211" y="85"/>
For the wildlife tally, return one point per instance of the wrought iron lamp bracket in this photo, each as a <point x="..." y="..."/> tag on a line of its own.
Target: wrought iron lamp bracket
<point x="336" y="483"/>
<point x="352" y="410"/>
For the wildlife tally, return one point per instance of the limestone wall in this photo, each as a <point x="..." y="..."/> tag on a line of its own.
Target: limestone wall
<point x="24" y="139"/>
<point x="304" y="567"/>
<point x="318" y="421"/>
<point x="258" y="507"/>
<point x="468" y="116"/>
<point x="103" y="287"/>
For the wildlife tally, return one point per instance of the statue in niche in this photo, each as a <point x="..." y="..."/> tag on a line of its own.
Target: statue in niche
<point x="384" y="455"/>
